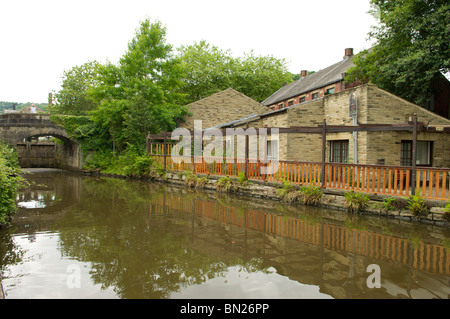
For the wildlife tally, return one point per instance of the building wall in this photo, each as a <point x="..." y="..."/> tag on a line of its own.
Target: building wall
<point x="223" y="107"/>
<point x="375" y="106"/>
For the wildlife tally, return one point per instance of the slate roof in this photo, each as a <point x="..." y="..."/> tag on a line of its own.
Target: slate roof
<point x="324" y="77"/>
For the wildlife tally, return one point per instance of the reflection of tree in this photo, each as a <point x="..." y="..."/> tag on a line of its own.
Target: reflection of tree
<point x="141" y="256"/>
<point x="10" y="253"/>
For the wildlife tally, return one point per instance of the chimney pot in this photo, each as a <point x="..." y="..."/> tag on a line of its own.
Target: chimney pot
<point x="303" y="73"/>
<point x="348" y="53"/>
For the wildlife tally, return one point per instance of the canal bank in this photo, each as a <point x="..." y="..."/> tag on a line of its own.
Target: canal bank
<point x="333" y="199"/>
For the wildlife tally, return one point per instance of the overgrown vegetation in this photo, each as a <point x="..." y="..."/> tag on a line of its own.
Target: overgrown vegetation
<point x="194" y="181"/>
<point x="307" y="195"/>
<point x="417" y="206"/>
<point x="311" y="195"/>
<point x="446" y="215"/>
<point x="227" y="185"/>
<point x="356" y="202"/>
<point x="130" y="163"/>
<point x="10" y="182"/>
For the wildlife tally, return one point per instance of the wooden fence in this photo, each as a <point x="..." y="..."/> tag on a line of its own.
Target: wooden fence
<point x="430" y="183"/>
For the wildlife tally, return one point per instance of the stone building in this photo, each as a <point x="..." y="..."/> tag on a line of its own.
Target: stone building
<point x="374" y="106"/>
<point x="331" y="80"/>
<point x="223" y="107"/>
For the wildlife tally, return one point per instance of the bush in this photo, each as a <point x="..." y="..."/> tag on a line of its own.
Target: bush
<point x="242" y="179"/>
<point x="10" y="182"/>
<point x="356" y="202"/>
<point x="417" y="206"/>
<point x="446" y="215"/>
<point x="194" y="181"/>
<point x="130" y="163"/>
<point x="287" y="188"/>
<point x="311" y="195"/>
<point x="225" y="184"/>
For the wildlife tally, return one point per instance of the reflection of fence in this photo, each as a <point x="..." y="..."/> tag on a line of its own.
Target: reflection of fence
<point x="426" y="257"/>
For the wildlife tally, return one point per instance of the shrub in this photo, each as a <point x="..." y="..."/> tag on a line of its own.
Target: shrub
<point x="417" y="206"/>
<point x="242" y="179"/>
<point x="311" y="195"/>
<point x="446" y="215"/>
<point x="10" y="182"/>
<point x="130" y="163"/>
<point x="287" y="188"/>
<point x="193" y="180"/>
<point x="356" y="202"/>
<point x="225" y="184"/>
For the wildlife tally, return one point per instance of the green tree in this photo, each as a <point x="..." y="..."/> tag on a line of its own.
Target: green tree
<point x="411" y="48"/>
<point x="140" y="93"/>
<point x="209" y="70"/>
<point x="73" y="98"/>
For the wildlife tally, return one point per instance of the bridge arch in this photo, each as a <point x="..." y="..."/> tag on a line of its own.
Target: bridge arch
<point x="18" y="129"/>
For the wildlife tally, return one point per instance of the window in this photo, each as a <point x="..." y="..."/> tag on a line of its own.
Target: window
<point x="423" y="156"/>
<point x="315" y="96"/>
<point x="291" y="102"/>
<point x="330" y="91"/>
<point x="339" y="151"/>
<point x="302" y="99"/>
<point x="272" y="150"/>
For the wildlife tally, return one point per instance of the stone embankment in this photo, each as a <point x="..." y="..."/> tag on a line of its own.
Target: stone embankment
<point x="333" y="199"/>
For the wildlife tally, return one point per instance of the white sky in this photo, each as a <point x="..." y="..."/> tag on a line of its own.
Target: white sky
<point x="39" y="39"/>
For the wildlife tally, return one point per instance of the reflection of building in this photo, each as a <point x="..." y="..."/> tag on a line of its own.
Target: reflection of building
<point x="312" y="252"/>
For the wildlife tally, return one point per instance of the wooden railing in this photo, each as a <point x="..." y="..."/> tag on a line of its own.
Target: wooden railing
<point x="430" y="183"/>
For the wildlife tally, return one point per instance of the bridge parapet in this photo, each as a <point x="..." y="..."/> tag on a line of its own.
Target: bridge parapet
<point x="9" y="119"/>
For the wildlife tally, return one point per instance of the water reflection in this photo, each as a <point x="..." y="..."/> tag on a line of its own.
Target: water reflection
<point x="138" y="240"/>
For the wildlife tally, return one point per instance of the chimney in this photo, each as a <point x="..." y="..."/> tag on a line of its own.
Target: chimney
<point x="348" y="53"/>
<point x="303" y="73"/>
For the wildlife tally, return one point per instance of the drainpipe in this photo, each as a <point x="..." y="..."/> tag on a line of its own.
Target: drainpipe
<point x="355" y="141"/>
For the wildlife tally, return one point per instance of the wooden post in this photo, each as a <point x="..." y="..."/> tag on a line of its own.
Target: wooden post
<point x="414" y="156"/>
<point x="165" y="149"/>
<point x="147" y="144"/>
<point x="324" y="148"/>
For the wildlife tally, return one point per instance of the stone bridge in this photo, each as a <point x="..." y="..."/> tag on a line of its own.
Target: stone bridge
<point x="18" y="129"/>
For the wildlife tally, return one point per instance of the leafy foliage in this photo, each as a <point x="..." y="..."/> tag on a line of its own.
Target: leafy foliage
<point x="311" y="195"/>
<point x="416" y="205"/>
<point x="141" y="93"/>
<point x="130" y="163"/>
<point x="226" y="184"/>
<point x="73" y="98"/>
<point x="355" y="201"/>
<point x="447" y="212"/>
<point x="411" y="49"/>
<point x="10" y="182"/>
<point x="209" y="70"/>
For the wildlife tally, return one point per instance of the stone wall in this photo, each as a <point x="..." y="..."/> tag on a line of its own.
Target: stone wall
<point x="223" y="107"/>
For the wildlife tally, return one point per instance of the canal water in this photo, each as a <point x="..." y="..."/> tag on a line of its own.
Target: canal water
<point x="77" y="236"/>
